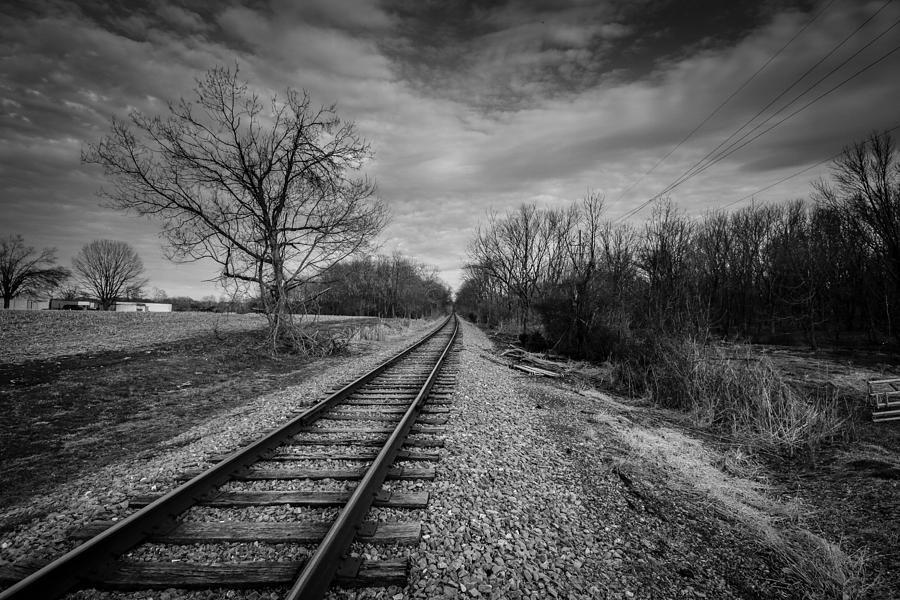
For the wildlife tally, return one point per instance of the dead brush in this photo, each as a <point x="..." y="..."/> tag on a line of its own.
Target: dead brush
<point x="385" y="329"/>
<point x="732" y="483"/>
<point x="825" y="570"/>
<point x="370" y="333"/>
<point x="735" y="391"/>
<point x="307" y="342"/>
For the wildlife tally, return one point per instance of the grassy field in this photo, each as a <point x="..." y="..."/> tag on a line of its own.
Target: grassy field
<point x="78" y="390"/>
<point x="33" y="335"/>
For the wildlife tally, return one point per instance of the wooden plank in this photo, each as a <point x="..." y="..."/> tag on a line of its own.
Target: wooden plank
<point x="882" y="419"/>
<point x="535" y="370"/>
<point x="297" y="498"/>
<point x="141" y="575"/>
<point x="256" y="474"/>
<point x="885" y="413"/>
<point x="881" y="402"/>
<point x="878" y="381"/>
<point x="396" y="532"/>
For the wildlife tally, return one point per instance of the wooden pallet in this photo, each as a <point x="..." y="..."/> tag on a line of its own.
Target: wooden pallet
<point x="884" y="398"/>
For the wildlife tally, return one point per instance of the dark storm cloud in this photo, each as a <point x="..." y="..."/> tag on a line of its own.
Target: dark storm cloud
<point x="468" y="105"/>
<point x="509" y="55"/>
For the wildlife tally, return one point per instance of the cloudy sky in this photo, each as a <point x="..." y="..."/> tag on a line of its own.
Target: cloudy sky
<point x="470" y="106"/>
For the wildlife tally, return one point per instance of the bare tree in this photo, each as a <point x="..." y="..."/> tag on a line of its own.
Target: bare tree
<point x="867" y="188"/>
<point x="516" y="251"/>
<point x="24" y="270"/>
<point x="267" y="190"/>
<point x="663" y="258"/>
<point x="135" y="291"/>
<point x="713" y="247"/>
<point x="108" y="268"/>
<point x="71" y="292"/>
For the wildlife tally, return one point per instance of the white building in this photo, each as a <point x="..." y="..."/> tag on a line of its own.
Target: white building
<point x="28" y="303"/>
<point x="143" y="307"/>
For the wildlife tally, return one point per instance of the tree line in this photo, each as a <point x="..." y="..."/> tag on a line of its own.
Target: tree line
<point x="382" y="286"/>
<point x="827" y="269"/>
<point x="108" y="270"/>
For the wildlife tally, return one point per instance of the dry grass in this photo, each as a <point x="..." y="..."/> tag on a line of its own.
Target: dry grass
<point x="825" y="570"/>
<point x="383" y="330"/>
<point x="35" y="335"/>
<point x="733" y="390"/>
<point x="730" y="482"/>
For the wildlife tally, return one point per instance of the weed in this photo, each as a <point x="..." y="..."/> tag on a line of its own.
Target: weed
<point x="825" y="570"/>
<point x="733" y="480"/>
<point x="732" y="390"/>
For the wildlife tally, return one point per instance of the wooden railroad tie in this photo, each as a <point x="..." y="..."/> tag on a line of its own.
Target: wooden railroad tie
<point x="295" y="498"/>
<point x="257" y="474"/>
<point x="142" y="575"/>
<point x="407" y="533"/>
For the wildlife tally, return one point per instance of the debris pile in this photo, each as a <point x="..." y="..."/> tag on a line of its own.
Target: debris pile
<point x="532" y="363"/>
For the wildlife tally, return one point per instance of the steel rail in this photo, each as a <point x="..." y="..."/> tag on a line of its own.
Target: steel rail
<point x="87" y="561"/>
<point x="315" y="578"/>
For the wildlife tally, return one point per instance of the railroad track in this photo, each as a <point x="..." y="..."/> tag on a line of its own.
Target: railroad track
<point x="381" y="426"/>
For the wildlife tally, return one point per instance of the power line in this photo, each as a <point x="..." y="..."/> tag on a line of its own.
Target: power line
<point x="727" y="100"/>
<point x="696" y="169"/>
<point x="780" y="181"/>
<point x="792" y="175"/>
<point x="733" y="149"/>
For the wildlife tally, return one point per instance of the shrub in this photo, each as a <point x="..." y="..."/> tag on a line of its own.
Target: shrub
<point x="595" y="335"/>
<point x="732" y="390"/>
<point x="533" y="341"/>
